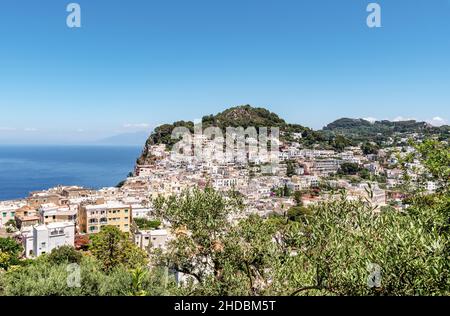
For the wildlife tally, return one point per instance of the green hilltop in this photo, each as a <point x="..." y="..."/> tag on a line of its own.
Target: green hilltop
<point x="239" y="116"/>
<point x="336" y="135"/>
<point x="363" y="130"/>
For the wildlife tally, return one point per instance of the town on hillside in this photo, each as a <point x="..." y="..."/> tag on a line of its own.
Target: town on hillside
<point x="356" y="159"/>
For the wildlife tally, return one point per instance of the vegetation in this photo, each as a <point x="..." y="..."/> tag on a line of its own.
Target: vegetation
<point x="113" y="248"/>
<point x="146" y="224"/>
<point x="65" y="254"/>
<point x="298" y="198"/>
<point x="335" y="248"/>
<point x="369" y="148"/>
<point x="240" y="116"/>
<point x="349" y="168"/>
<point x="362" y="130"/>
<point x="298" y="213"/>
<point x="339" y="143"/>
<point x="10" y="253"/>
<point x="290" y="168"/>
<point x="46" y="278"/>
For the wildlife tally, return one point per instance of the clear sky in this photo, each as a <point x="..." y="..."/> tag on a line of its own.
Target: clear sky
<point x="138" y="63"/>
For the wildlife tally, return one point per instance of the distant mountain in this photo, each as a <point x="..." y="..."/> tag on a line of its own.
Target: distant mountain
<point x="130" y="139"/>
<point x="363" y="129"/>
<point x="244" y="116"/>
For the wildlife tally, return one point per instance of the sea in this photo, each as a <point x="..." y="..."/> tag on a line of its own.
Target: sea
<point x="30" y="168"/>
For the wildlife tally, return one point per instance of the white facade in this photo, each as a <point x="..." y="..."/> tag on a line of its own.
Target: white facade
<point x="156" y="238"/>
<point x="139" y="211"/>
<point x="42" y="239"/>
<point x="431" y="186"/>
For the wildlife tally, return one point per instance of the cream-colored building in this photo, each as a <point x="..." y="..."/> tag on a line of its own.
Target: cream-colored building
<point x="146" y="239"/>
<point x="50" y="213"/>
<point x="91" y="218"/>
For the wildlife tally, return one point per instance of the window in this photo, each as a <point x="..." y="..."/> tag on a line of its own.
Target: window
<point x="4" y="214"/>
<point x="126" y="211"/>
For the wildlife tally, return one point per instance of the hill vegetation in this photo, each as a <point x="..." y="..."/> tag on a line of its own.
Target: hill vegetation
<point x="337" y="135"/>
<point x="360" y="129"/>
<point x="239" y="116"/>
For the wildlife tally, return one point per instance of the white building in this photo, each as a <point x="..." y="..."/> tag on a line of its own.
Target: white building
<point x="431" y="186"/>
<point x="8" y="211"/>
<point x="156" y="238"/>
<point x="140" y="211"/>
<point x="42" y="239"/>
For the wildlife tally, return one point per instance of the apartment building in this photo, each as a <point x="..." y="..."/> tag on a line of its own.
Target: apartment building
<point x="41" y="239"/>
<point x="140" y="211"/>
<point x="8" y="211"/>
<point x="325" y="167"/>
<point x="26" y="216"/>
<point x="49" y="213"/>
<point x="220" y="183"/>
<point x="91" y="218"/>
<point x="375" y="195"/>
<point x="36" y="199"/>
<point x="76" y="192"/>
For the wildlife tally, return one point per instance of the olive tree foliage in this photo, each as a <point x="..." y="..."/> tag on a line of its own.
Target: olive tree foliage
<point x="44" y="277"/>
<point x="10" y="252"/>
<point x="114" y="248"/>
<point x="343" y="248"/>
<point x="434" y="156"/>
<point x="348" y="249"/>
<point x="201" y="220"/>
<point x="115" y="266"/>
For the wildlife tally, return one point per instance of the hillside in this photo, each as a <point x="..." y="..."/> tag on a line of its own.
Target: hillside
<point x="244" y="116"/>
<point x="360" y="129"/>
<point x="336" y="135"/>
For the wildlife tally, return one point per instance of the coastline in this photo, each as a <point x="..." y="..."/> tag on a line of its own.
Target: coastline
<point x="28" y="168"/>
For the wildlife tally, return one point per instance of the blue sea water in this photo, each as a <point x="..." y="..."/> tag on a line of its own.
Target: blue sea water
<point x="29" y="168"/>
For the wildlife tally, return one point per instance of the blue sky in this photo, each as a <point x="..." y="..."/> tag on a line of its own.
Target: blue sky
<point x="139" y="63"/>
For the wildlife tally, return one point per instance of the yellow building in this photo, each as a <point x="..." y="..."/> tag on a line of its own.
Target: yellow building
<point x="91" y="218"/>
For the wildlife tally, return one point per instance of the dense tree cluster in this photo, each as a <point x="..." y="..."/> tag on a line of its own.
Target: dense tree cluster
<point x="362" y="130"/>
<point x="145" y="224"/>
